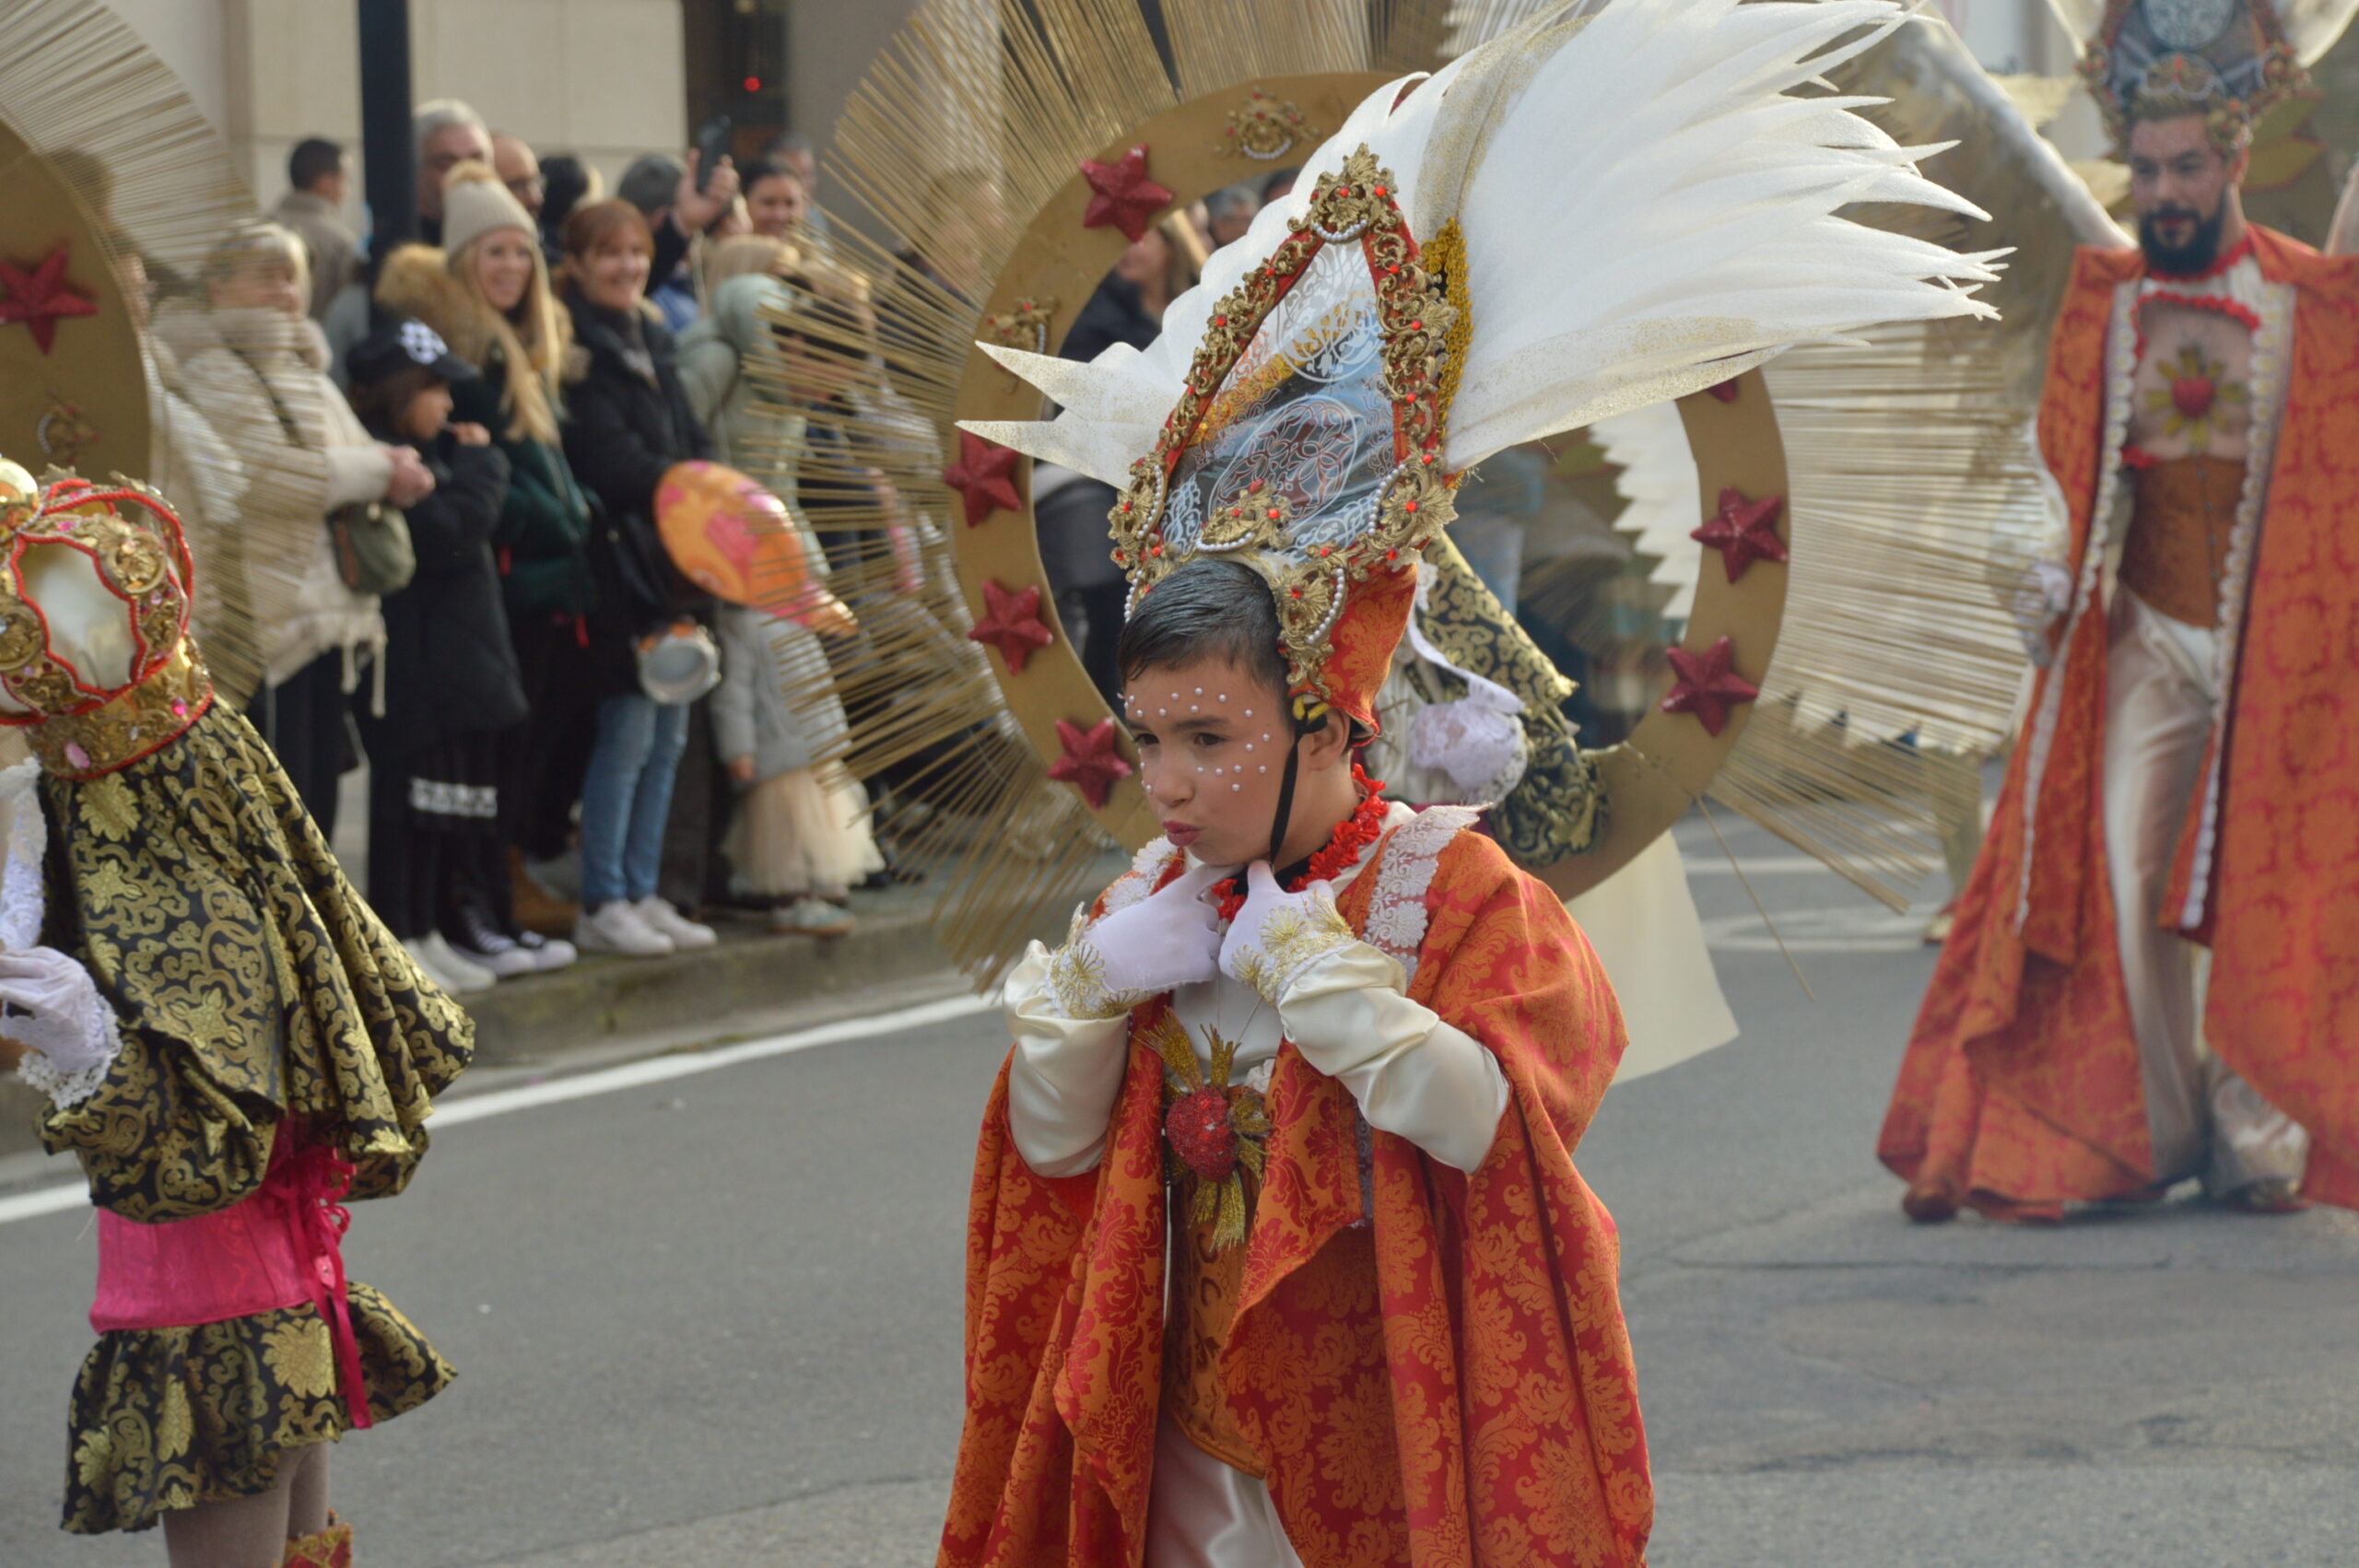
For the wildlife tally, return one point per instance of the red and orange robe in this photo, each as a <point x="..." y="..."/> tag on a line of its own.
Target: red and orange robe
<point x="2020" y="1089"/>
<point x="1425" y="1366"/>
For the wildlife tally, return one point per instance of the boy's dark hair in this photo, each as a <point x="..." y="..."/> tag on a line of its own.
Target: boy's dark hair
<point x="1208" y="609"/>
<point x="379" y="403"/>
<point x="313" y="159"/>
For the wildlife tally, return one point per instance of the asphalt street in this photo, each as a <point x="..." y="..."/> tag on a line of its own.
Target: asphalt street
<point x="705" y="1311"/>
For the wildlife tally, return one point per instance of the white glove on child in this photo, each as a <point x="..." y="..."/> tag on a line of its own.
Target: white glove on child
<point x="1170" y="938"/>
<point x="50" y="1004"/>
<point x="1277" y="933"/>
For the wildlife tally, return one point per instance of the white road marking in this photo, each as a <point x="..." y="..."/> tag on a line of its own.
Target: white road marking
<point x="1704" y="863"/>
<point x="1842" y="930"/>
<point x="631" y="1075"/>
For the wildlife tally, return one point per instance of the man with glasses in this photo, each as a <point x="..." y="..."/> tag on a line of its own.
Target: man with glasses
<point x="519" y="168"/>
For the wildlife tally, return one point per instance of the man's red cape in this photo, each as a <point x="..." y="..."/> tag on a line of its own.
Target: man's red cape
<point x="1451" y="1385"/>
<point x="2020" y="1089"/>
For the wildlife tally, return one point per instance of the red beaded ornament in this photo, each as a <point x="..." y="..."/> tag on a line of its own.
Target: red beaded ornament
<point x="1352" y="834"/>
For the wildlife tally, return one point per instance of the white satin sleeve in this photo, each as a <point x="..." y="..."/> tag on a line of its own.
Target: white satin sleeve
<point x="1411" y="1073"/>
<point x="1066" y="1075"/>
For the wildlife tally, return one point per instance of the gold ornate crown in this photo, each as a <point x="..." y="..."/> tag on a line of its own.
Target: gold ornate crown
<point x="94" y="695"/>
<point x="1308" y="443"/>
<point x="2227" y="60"/>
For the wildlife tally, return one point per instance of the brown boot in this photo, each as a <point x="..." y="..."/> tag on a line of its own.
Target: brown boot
<point x="330" y="1548"/>
<point x="538" y="910"/>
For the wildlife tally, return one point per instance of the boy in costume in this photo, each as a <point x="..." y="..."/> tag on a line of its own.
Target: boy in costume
<point x="230" y="1042"/>
<point x="1315" y="1063"/>
<point x="2186" y="779"/>
<point x="1277" y="1252"/>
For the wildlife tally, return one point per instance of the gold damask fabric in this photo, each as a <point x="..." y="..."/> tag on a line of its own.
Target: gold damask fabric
<point x="165" y="1418"/>
<point x="250" y="981"/>
<point x="1559" y="808"/>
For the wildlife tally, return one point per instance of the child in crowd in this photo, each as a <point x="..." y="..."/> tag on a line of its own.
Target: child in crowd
<point x="452" y="683"/>
<point x="802" y="838"/>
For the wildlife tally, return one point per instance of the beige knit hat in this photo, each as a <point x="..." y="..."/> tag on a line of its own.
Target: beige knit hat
<point x="474" y="202"/>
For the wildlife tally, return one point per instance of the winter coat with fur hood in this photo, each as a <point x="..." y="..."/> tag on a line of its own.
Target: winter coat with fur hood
<point x="259" y="378"/>
<point x="543" y="538"/>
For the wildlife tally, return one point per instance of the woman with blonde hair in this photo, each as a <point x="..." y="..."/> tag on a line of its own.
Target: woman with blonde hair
<point x="254" y="365"/>
<point x="487" y="291"/>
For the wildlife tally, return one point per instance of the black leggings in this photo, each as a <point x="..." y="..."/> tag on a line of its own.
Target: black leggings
<point x="540" y="779"/>
<point x="302" y="719"/>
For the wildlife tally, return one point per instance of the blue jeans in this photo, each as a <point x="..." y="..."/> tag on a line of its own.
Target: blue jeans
<point x="627" y="796"/>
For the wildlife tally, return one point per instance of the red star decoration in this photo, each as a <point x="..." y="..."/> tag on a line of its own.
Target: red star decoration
<point x="1122" y="194"/>
<point x="1743" y="531"/>
<point x="1090" y="764"/>
<point x="985" y="475"/>
<point x="1706" y="687"/>
<point x="1013" y="625"/>
<point x="41" y="297"/>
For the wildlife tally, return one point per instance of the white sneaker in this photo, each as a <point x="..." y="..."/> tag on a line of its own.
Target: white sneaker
<point x="686" y="934"/>
<point x="617" y="927"/>
<point x="498" y="952"/>
<point x="447" y="969"/>
<point x="548" y="951"/>
<point x="812" y="917"/>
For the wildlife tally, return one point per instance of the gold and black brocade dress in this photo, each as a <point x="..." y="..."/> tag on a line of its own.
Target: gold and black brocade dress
<point x="261" y="1003"/>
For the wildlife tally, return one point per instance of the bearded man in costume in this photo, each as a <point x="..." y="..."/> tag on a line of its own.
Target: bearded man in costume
<point x="1277" y="1252"/>
<point x="2155" y="968"/>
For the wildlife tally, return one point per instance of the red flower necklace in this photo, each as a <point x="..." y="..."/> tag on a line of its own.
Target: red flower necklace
<point x="1352" y="834"/>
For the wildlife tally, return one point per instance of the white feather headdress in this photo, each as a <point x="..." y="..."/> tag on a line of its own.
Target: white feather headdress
<point x="1648" y="209"/>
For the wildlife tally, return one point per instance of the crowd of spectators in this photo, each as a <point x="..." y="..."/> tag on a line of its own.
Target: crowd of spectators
<point x="434" y="480"/>
<point x="446" y="464"/>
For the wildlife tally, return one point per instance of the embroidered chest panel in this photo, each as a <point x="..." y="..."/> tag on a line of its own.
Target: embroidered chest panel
<point x="2191" y="396"/>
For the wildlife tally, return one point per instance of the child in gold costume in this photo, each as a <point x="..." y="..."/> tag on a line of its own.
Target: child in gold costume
<point x="231" y="1043"/>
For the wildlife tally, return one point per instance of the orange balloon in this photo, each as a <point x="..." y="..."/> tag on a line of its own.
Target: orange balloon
<point x="733" y="538"/>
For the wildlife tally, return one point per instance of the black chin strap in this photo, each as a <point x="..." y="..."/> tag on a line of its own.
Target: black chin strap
<point x="1285" y="802"/>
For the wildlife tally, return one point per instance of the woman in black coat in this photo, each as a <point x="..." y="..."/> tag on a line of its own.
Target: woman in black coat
<point x="630" y="423"/>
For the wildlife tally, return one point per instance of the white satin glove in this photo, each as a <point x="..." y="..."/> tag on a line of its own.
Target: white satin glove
<point x="47" y="1001"/>
<point x="1169" y="939"/>
<point x="1277" y="933"/>
<point x="1340" y="1000"/>
<point x="2042" y="595"/>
